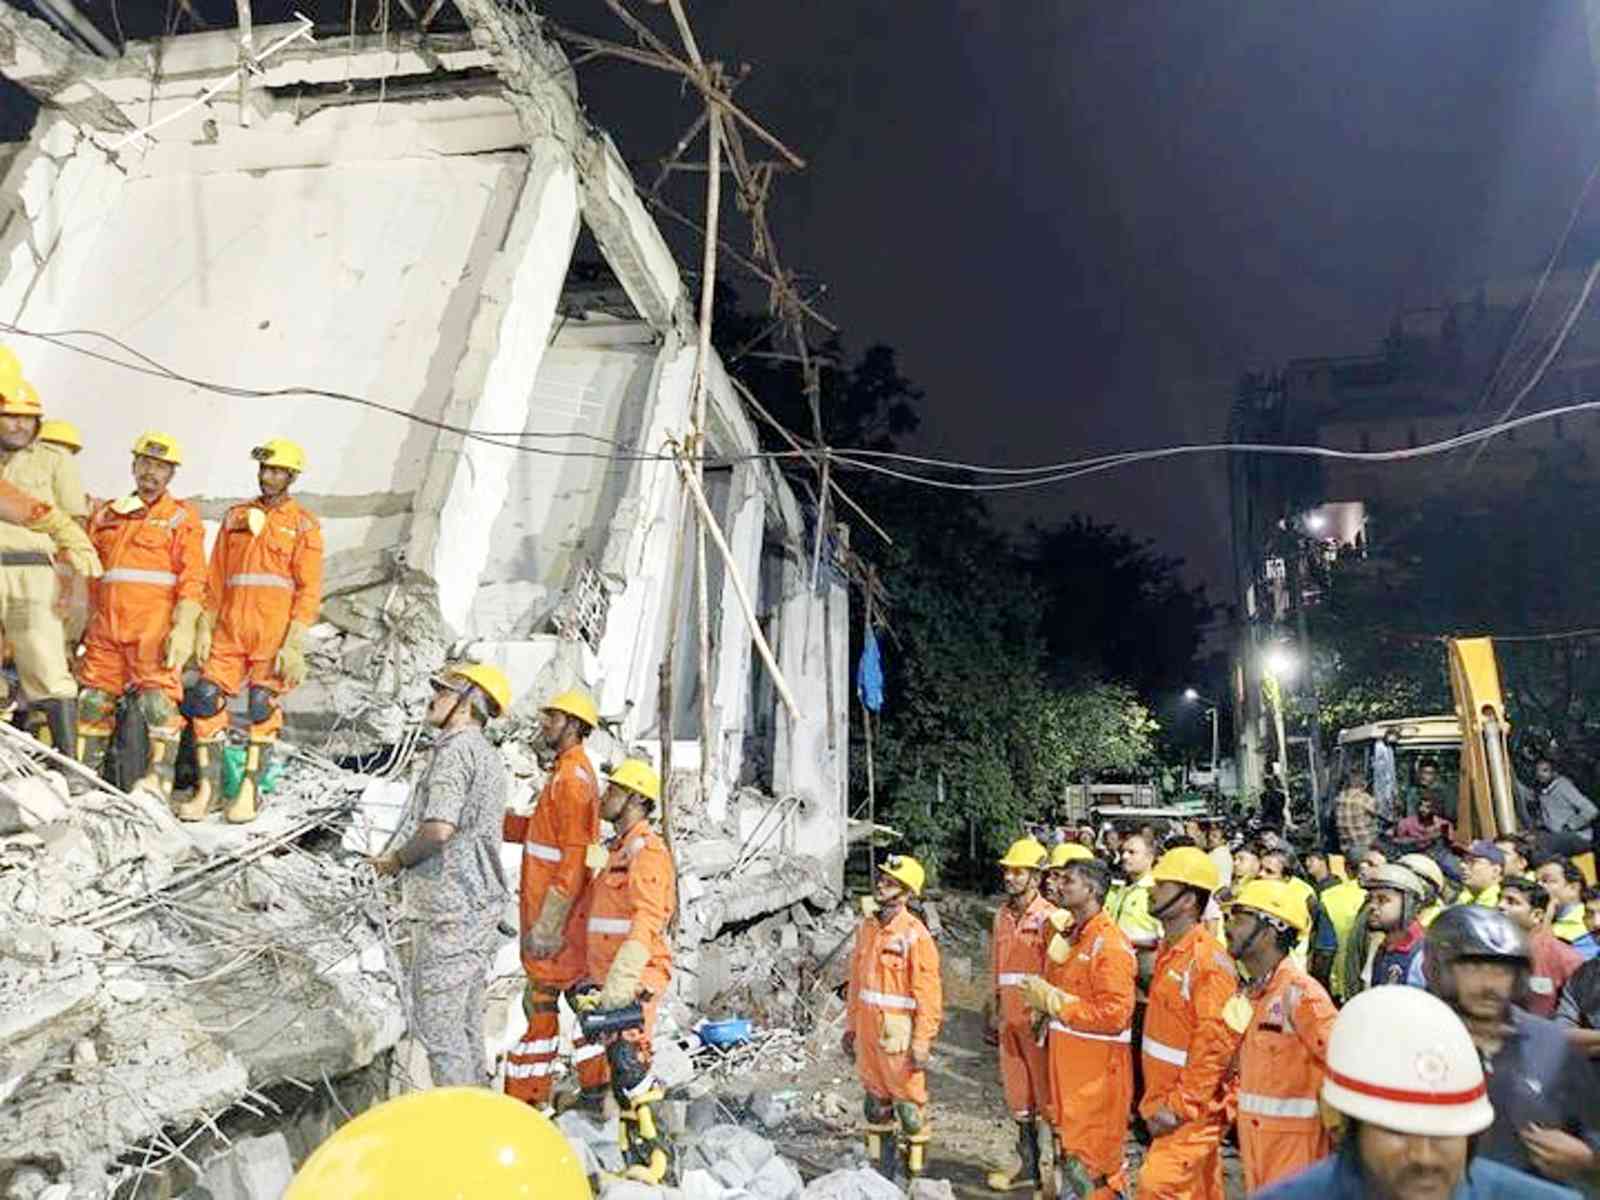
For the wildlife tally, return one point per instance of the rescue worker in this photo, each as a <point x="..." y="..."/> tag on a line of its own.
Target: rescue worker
<point x="628" y="955"/>
<point x="455" y="884"/>
<point x="557" y="840"/>
<point x="1022" y="930"/>
<point x="1088" y="992"/>
<point x="28" y="617"/>
<point x="63" y="435"/>
<point x="1482" y="867"/>
<point x="1062" y="857"/>
<point x="1192" y="1028"/>
<point x="1282" y="1055"/>
<point x="263" y="594"/>
<point x="447" y="1142"/>
<point x="894" y="1007"/>
<point x="146" y="610"/>
<point x="1338" y="920"/>
<point x="1546" y="1104"/>
<point x="1388" y="939"/>
<point x="1130" y="905"/>
<point x="1427" y="870"/>
<point x="1405" y="1078"/>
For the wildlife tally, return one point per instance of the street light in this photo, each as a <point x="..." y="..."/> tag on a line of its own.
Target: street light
<point x="1190" y="695"/>
<point x="1280" y="662"/>
<point x="1316" y="522"/>
<point x="1194" y="697"/>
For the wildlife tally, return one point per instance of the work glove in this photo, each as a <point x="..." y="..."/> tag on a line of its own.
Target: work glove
<point x="1060" y="920"/>
<point x="921" y="1056"/>
<point x="895" y="1037"/>
<point x="72" y="543"/>
<point x="544" y="939"/>
<point x="847" y="1043"/>
<point x="1059" y="950"/>
<point x="290" y="665"/>
<point x="204" y="625"/>
<point x="1041" y="996"/>
<point x="181" y="637"/>
<point x="622" y="981"/>
<point x="1236" y="1014"/>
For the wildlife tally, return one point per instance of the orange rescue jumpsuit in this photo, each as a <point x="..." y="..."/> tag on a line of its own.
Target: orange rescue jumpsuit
<point x="895" y="969"/>
<point x="1187" y="1051"/>
<point x="259" y="583"/>
<point x="153" y="558"/>
<point x="1091" y="1053"/>
<point x="1281" y="1063"/>
<point x="1017" y="949"/>
<point x="632" y="901"/>
<point x="555" y="842"/>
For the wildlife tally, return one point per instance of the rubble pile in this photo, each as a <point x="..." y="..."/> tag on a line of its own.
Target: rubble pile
<point x="155" y="977"/>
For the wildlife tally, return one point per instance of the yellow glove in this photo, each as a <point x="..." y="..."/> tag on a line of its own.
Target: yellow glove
<point x="586" y="1001"/>
<point x="72" y="543"/>
<point x="896" y="1035"/>
<point x="204" y="625"/>
<point x="544" y="939"/>
<point x="1060" y="920"/>
<point x="290" y="665"/>
<point x="181" y="637"/>
<point x="622" y="981"/>
<point x="1236" y="1014"/>
<point x="1038" y="994"/>
<point x="1059" y="950"/>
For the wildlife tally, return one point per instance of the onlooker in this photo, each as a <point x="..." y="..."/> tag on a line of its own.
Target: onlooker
<point x="1589" y="944"/>
<point x="1217" y="851"/>
<point x="1546" y="1105"/>
<point x="1317" y="869"/>
<point x="1246" y="866"/>
<point x="1355" y="814"/>
<point x="1562" y="815"/>
<point x="1374" y="858"/>
<point x="1426" y="829"/>
<point x="1552" y="961"/>
<point x="1578" y="1008"/>
<point x="1427" y="784"/>
<point x="1425" y="869"/>
<point x="1563" y="883"/>
<point x="1483" y="866"/>
<point x="1385" y="780"/>
<point x="1515" y="849"/>
<point x="1394" y="897"/>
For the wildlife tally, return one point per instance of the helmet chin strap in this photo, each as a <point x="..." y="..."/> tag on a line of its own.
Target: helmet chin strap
<point x="1159" y="911"/>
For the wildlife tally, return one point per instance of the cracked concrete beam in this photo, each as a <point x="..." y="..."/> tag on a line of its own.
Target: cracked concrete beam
<point x="38" y="58"/>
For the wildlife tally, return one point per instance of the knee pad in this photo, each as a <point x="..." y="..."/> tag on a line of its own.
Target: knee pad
<point x="877" y="1110"/>
<point x="96" y="707"/>
<point x="628" y="1069"/>
<point x="909" y="1114"/>
<point x="203" y="698"/>
<point x="158" y="709"/>
<point x="263" y="703"/>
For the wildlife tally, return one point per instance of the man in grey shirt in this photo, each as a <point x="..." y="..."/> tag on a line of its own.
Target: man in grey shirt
<point x="1561" y="816"/>
<point x="455" y="886"/>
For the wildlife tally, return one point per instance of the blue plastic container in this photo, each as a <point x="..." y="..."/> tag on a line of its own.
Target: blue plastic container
<point x="725" y="1033"/>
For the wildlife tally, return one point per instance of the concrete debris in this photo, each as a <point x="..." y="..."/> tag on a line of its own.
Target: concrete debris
<point x="29" y="802"/>
<point x="596" y="1141"/>
<point x="931" y="1189"/>
<point x="257" y="1168"/>
<point x="28" y="944"/>
<point x="860" y="1183"/>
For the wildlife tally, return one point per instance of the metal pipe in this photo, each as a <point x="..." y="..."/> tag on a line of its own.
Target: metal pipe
<point x="1494" y="751"/>
<point x="64" y="13"/>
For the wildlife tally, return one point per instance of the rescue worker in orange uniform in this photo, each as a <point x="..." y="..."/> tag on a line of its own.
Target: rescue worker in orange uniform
<point x="29" y="618"/>
<point x="1285" y="1049"/>
<point x="1088" y="992"/>
<point x="262" y="596"/>
<point x="560" y="842"/>
<point x="1192" y="1027"/>
<point x="628" y="955"/>
<point x="1017" y="944"/>
<point x="146" y="608"/>
<point x="894" y="1007"/>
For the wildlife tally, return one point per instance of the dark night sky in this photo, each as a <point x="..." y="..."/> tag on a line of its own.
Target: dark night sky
<point x="1078" y="222"/>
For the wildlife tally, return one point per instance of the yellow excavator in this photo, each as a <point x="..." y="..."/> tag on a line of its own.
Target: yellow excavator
<point x="1473" y="744"/>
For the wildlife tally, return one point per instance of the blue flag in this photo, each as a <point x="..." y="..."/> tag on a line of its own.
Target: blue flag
<point x="869" y="674"/>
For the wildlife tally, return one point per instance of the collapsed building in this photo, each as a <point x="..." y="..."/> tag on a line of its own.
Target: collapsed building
<point x="367" y="244"/>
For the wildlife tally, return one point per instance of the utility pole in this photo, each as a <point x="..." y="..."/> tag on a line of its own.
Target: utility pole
<point x="1314" y="746"/>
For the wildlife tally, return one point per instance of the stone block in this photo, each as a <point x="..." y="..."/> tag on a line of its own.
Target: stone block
<point x="856" y="1184"/>
<point x="778" y="1180"/>
<point x="28" y="802"/>
<point x="257" y="1168"/>
<point x="28" y="944"/>
<point x="931" y="1189"/>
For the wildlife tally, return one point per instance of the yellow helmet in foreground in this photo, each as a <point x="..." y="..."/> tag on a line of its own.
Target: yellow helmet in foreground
<point x="904" y="869"/>
<point x="62" y="433"/>
<point x="1027" y="853"/>
<point x="1069" y="852"/>
<point x="1278" y="899"/>
<point x="638" y="776"/>
<point x="490" y="679"/>
<point x="159" y="446"/>
<point x="280" y="452"/>
<point x="575" y="704"/>
<point x="467" y="1142"/>
<point x="20" y="399"/>
<point x="1187" y="864"/>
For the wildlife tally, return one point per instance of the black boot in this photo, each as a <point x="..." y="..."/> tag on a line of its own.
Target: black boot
<point x="61" y="713"/>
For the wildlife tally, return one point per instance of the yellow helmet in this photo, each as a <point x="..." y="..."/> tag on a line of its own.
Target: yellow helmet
<point x="10" y="373"/>
<point x="491" y="680"/>
<point x="444" y="1142"/>
<point x="638" y="776"/>
<point x="1027" y="853"/>
<point x="906" y="870"/>
<point x="20" y="399"/>
<point x="280" y="452"/>
<point x="1189" y="865"/>
<point x="159" y="446"/>
<point x="1069" y="852"/>
<point x="1276" y="898"/>
<point x="62" y="433"/>
<point x="575" y="703"/>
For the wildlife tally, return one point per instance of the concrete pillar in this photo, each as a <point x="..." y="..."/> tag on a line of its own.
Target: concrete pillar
<point x="467" y="480"/>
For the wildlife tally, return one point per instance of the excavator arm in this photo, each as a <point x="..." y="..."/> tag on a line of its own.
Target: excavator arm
<point x="1487" y="806"/>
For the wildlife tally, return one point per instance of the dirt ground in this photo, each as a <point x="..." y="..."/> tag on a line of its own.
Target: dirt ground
<point x="972" y="1130"/>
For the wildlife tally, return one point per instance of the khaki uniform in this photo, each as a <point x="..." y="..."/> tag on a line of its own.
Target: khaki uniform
<point x="28" y="588"/>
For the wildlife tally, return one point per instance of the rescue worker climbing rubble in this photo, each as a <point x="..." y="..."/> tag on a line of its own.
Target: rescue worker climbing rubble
<point x="145" y="610"/>
<point x="894" y="1007"/>
<point x="1022" y="929"/>
<point x="262" y="595"/>
<point x="1192" y="1027"/>
<point x="560" y="843"/>
<point x="1282" y="1055"/>
<point x="28" y="617"/>
<point x="627" y="908"/>
<point x="1087" y="993"/>
<point x="455" y="885"/>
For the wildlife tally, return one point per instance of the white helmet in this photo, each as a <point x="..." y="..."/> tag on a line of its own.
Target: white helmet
<point x="1400" y="1058"/>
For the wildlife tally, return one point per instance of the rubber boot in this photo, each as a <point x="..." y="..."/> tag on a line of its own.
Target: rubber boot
<point x="243" y="808"/>
<point x="917" y="1152"/>
<point x="163" y="764"/>
<point x="92" y="747"/>
<point x="883" y="1151"/>
<point x="647" y="1155"/>
<point x="62" y="715"/>
<point x="1027" y="1175"/>
<point x="208" y="761"/>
